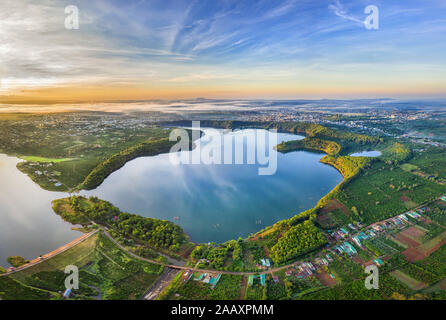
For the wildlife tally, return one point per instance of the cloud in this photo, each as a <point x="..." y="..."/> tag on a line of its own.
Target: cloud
<point x="228" y="43"/>
<point x="338" y="9"/>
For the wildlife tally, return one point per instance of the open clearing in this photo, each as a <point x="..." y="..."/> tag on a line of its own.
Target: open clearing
<point x="420" y="252"/>
<point x="406" y="241"/>
<point x="334" y="213"/>
<point x="78" y="255"/>
<point x="414" y="233"/>
<point x="325" y="279"/>
<point x="45" y="160"/>
<point x="335" y="204"/>
<point x="432" y="245"/>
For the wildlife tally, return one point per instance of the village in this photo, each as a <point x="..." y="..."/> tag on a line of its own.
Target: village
<point x="348" y="242"/>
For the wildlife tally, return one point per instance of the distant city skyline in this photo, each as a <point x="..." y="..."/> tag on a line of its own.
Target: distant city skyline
<point x="290" y="49"/>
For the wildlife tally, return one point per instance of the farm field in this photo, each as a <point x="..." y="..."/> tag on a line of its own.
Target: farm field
<point x="408" y="281"/>
<point x="227" y="288"/>
<point x="384" y="191"/>
<point x="105" y="272"/>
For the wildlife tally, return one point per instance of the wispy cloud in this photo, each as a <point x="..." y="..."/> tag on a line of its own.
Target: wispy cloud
<point x="338" y="9"/>
<point x="219" y="44"/>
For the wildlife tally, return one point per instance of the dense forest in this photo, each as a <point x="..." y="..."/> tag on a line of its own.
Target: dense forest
<point x="396" y="153"/>
<point x="298" y="240"/>
<point x="109" y="165"/>
<point x="156" y="233"/>
<point x="214" y="256"/>
<point x="346" y="165"/>
<point x="306" y="128"/>
<point x="311" y="144"/>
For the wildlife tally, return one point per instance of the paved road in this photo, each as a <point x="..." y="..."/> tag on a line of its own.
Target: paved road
<point x="172" y="266"/>
<point x="191" y="268"/>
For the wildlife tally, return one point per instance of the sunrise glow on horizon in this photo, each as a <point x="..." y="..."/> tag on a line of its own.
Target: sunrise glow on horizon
<point x="140" y="50"/>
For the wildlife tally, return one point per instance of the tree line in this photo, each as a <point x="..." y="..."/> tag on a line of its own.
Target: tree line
<point x="154" y="232"/>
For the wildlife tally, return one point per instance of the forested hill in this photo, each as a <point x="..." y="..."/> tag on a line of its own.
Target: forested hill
<point x="156" y="233"/>
<point x="305" y="128"/>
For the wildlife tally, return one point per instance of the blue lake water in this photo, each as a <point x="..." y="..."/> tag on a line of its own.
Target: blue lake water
<point x="211" y="202"/>
<point x="220" y="202"/>
<point x="366" y="154"/>
<point x="28" y="225"/>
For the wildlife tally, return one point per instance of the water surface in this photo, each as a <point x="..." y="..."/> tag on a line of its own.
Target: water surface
<point x="366" y="154"/>
<point x="211" y="202"/>
<point x="28" y="225"/>
<point x="220" y="202"/>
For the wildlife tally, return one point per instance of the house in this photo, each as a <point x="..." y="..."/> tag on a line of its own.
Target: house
<point x="288" y="273"/>
<point x="336" y="236"/>
<point x="378" y="262"/>
<point x="211" y="278"/>
<point x="186" y="275"/>
<point x="351" y="226"/>
<point x="349" y="249"/>
<point x="276" y="279"/>
<point x="343" y="233"/>
<point x="357" y="241"/>
<point x="339" y="249"/>
<point x="261" y="277"/>
<point x="371" y="233"/>
<point x="414" y="215"/>
<point x="403" y="217"/>
<point x="265" y="263"/>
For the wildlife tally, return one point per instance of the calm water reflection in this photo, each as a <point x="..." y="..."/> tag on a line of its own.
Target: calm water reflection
<point x="211" y="202"/>
<point x="219" y="202"/>
<point x="366" y="154"/>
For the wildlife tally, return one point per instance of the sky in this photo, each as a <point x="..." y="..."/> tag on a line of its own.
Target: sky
<point x="264" y="49"/>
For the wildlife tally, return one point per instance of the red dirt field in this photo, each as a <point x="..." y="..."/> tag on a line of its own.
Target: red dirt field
<point x="426" y="249"/>
<point x="325" y="279"/>
<point x="358" y="259"/>
<point x="426" y="220"/>
<point x="413" y="255"/>
<point x="322" y="218"/>
<point x="413" y="233"/>
<point x="433" y="249"/>
<point x="243" y="287"/>
<point x="186" y="253"/>
<point x="265" y="248"/>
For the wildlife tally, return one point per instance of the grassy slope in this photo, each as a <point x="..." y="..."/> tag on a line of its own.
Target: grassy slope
<point x="102" y="265"/>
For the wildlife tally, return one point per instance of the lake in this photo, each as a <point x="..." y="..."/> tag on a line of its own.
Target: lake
<point x="366" y="154"/>
<point x="28" y="225"/>
<point x="220" y="202"/>
<point x="210" y="202"/>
